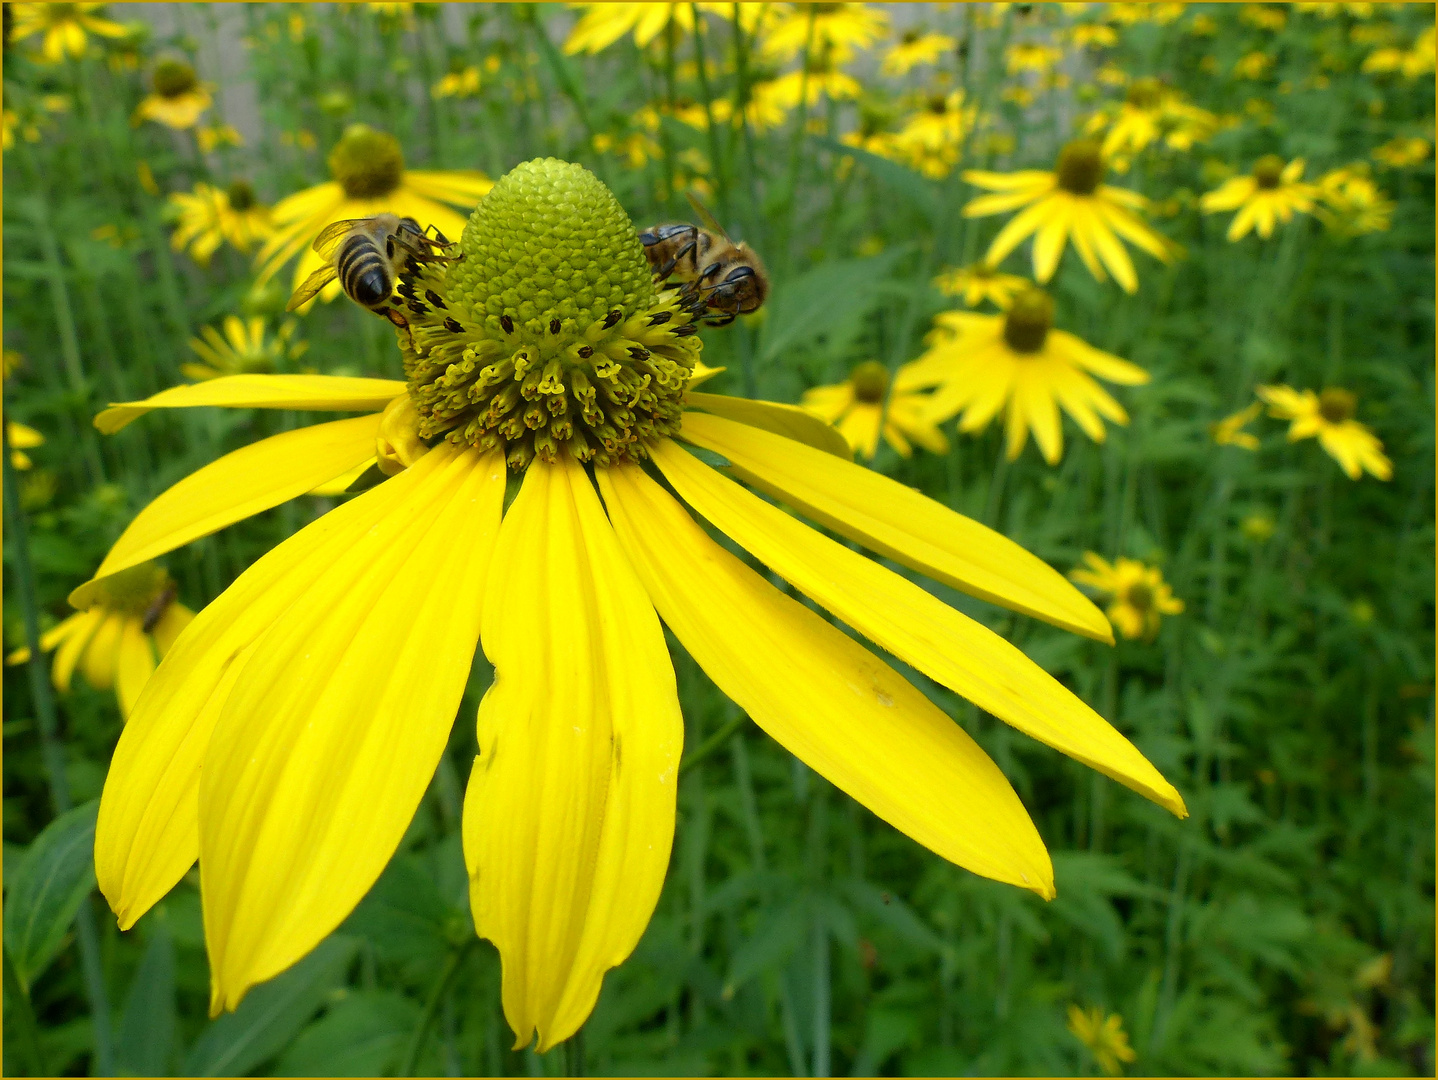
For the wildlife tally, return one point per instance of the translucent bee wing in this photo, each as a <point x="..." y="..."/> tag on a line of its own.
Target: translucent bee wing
<point x="311" y="286"/>
<point x="329" y="237"/>
<point x="705" y="216"/>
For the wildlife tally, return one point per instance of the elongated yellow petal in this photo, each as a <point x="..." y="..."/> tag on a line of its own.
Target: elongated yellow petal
<point x="790" y="421"/>
<point x="914" y="625"/>
<point x="570" y="810"/>
<point x="147" y="835"/>
<point x="898" y="522"/>
<point x="323" y="392"/>
<point x="49" y="639"/>
<point x="175" y="619"/>
<point x="1050" y="238"/>
<point x="98" y="661"/>
<point x="334" y="728"/>
<point x="73" y="647"/>
<point x="244" y="482"/>
<point x="822" y="695"/>
<point x="1019" y="226"/>
<point x="340" y="484"/>
<point x="135" y="664"/>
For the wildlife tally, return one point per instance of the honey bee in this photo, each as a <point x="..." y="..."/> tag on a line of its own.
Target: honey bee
<point x="723" y="277"/>
<point x="368" y="255"/>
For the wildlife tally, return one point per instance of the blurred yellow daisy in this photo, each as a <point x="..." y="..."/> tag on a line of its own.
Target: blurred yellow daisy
<point x="369" y="178"/>
<point x="1149" y="112"/>
<point x="978" y="282"/>
<point x="1273" y="192"/>
<point x="1352" y="203"/>
<point x="602" y="25"/>
<point x="1404" y="151"/>
<point x="292" y="731"/>
<point x="213" y="136"/>
<point x="856" y="407"/>
<point x="1138" y="596"/>
<point x="982" y="364"/>
<point x="1072" y="203"/>
<point x="130" y="619"/>
<point x="461" y="83"/>
<point x="931" y="139"/>
<point x="22" y="437"/>
<point x="1229" y="431"/>
<point x="834" y="32"/>
<point x="915" y="49"/>
<point x="210" y="216"/>
<point x="178" y="98"/>
<point x="1031" y="56"/>
<point x="1329" y="417"/>
<point x="65" y="27"/>
<point x="1103" y="1035"/>
<point x="243" y="349"/>
<point x="1412" y="63"/>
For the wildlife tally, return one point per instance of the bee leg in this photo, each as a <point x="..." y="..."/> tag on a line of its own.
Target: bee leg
<point x="399" y="320"/>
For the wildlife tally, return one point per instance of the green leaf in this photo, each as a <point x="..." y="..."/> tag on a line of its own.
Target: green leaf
<point x="145" y="1042"/>
<point x="46" y="890"/>
<point x="780" y="931"/>
<point x="271" y="1014"/>
<point x="363" y="1034"/>
<point x="912" y="188"/>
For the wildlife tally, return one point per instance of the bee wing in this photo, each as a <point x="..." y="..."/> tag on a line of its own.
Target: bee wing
<point x="705" y="216"/>
<point x="311" y="286"/>
<point x="329" y="237"/>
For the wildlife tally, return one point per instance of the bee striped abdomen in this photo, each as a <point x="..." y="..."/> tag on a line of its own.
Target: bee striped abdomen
<point x="364" y="272"/>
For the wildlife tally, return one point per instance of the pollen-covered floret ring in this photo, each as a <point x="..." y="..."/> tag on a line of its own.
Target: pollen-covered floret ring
<point x="545" y="332"/>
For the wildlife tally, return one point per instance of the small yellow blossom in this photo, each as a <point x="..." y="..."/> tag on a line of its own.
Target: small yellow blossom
<point x="1253" y="65"/>
<point x="211" y="138"/>
<point x="835" y="32"/>
<point x="1093" y="36"/>
<point x="1329" y="417"/>
<point x="210" y="216"/>
<point x="1258" y="527"/>
<point x="1138" y="599"/>
<point x="462" y="83"/>
<point x="65" y="27"/>
<point x="1272" y="193"/>
<point x="22" y="437"/>
<point x="1411" y="63"/>
<point x="1031" y="56"/>
<point x="243" y="349"/>
<point x="636" y="149"/>
<point x="1354" y="204"/>
<point x="915" y="49"/>
<point x="178" y="98"/>
<point x="1404" y="152"/>
<point x="1104" y="1036"/>
<point x="1229" y="431"/>
<point x="978" y="282"/>
<point x="1264" y="16"/>
<point x="856" y="407"/>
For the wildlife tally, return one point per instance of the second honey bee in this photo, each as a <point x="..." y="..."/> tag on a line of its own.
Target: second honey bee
<point x="367" y="255"/>
<point x="725" y="278"/>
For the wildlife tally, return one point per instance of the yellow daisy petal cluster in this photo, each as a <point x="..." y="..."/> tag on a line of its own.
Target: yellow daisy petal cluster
<point x="1329" y="418"/>
<point x="66" y="28"/>
<point x="243" y="348"/>
<point x="369" y="177"/>
<point x="601" y="25"/>
<point x="1151" y="112"/>
<point x="1031" y="56"/>
<point x="130" y="620"/>
<point x="1353" y="203"/>
<point x="1272" y="193"/>
<point x="1069" y="204"/>
<point x="931" y="138"/>
<point x="292" y="730"/>
<point x="1104" y="1036"/>
<point x="1018" y="364"/>
<point x="978" y="282"/>
<point x="178" y="99"/>
<point x="859" y="409"/>
<point x="210" y="216"/>
<point x="1412" y="63"/>
<point x="22" y="437"/>
<point x="462" y="83"/>
<point x="1404" y="152"/>
<point x="915" y="49"/>
<point x="1229" y="431"/>
<point x="835" y="32"/>
<point x="1137" y="594"/>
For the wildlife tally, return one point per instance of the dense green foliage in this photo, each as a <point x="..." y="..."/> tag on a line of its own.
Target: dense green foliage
<point x="1286" y="926"/>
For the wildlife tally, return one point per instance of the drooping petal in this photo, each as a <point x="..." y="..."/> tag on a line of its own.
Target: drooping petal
<point x="238" y="485"/>
<point x="898" y="522"/>
<point x="134" y="665"/>
<point x="333" y="730"/>
<point x="1049" y="240"/>
<point x="73" y="647"/>
<point x="98" y="662"/>
<point x="822" y="695"/>
<point x="174" y="620"/>
<point x="147" y="835"/>
<point x="570" y="810"/>
<point x="790" y="421"/>
<point x="914" y="625"/>
<point x="1018" y="227"/>
<point x="324" y="392"/>
<point x="49" y="639"/>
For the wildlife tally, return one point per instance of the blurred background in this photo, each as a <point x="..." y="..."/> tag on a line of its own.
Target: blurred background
<point x="1285" y="927"/>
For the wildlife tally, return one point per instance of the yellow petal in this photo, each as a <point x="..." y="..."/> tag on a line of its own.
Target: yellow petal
<point x="49" y="639"/>
<point x="334" y="728"/>
<point x="790" y="421"/>
<point x="900" y="523"/>
<point x="136" y="662"/>
<point x="340" y="484"/>
<point x="175" y="619"/>
<point x="324" y="392"/>
<point x="147" y="835"/>
<point x="914" y="625"/>
<point x="244" y="482"/>
<point x="570" y="810"/>
<point x="98" y="662"/>
<point x="70" y="651"/>
<point x="1049" y="240"/>
<point x="823" y="696"/>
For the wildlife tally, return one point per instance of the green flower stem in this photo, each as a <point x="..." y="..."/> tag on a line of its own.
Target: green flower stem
<point x="714" y="743"/>
<point x="817" y="857"/>
<point x="670" y="99"/>
<point x="431" y="1006"/>
<point x="796" y="155"/>
<point x="746" y="133"/>
<point x="52" y="753"/>
<point x="721" y="184"/>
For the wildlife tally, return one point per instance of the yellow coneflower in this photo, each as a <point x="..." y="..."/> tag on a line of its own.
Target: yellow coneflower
<point x="1138" y="596"/>
<point x="1104" y="1036"/>
<point x="821" y="80"/>
<point x="128" y="620"/>
<point x="978" y="282"/>
<point x="833" y="31"/>
<point x="915" y="49"/>
<point x="369" y="178"/>
<point x="1072" y="203"/>
<point x="1272" y="193"/>
<point x="1151" y="112"/>
<point x="1019" y="364"/>
<point x="1404" y="152"/>
<point x="856" y="407"/>
<point x="602" y="25"/>
<point x="1411" y="63"/>
<point x="178" y="98"/>
<point x="931" y="139"/>
<point x="1354" y="203"/>
<point x="22" y="437"/>
<point x="1031" y="56"/>
<point x="1329" y="417"/>
<point x="243" y="349"/>
<point x="1229" y="431"/>
<point x="210" y="216"/>
<point x="1093" y="36"/>
<point x="289" y="736"/>
<point x="65" y="27"/>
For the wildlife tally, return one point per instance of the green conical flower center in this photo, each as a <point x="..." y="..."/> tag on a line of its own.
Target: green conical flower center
<point x="241" y="196"/>
<point x="1140" y="596"/>
<point x="174" y="78"/>
<point x="1145" y="93"/>
<point x="1028" y="321"/>
<point x="1080" y="167"/>
<point x="367" y="163"/>
<point x="1336" y="405"/>
<point x="1268" y="171"/>
<point x="543" y="332"/>
<point x="870" y="381"/>
<point x="139" y="590"/>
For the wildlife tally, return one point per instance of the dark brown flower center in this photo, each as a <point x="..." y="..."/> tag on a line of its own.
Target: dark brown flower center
<point x="1336" y="405"/>
<point x="1268" y="171"/>
<point x="1028" y="321"/>
<point x="1080" y="168"/>
<point x="870" y="381"/>
<point x="241" y="195"/>
<point x="1140" y="596"/>
<point x="174" y="78"/>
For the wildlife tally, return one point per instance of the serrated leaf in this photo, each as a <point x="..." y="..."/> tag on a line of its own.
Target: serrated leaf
<point x="45" y="891"/>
